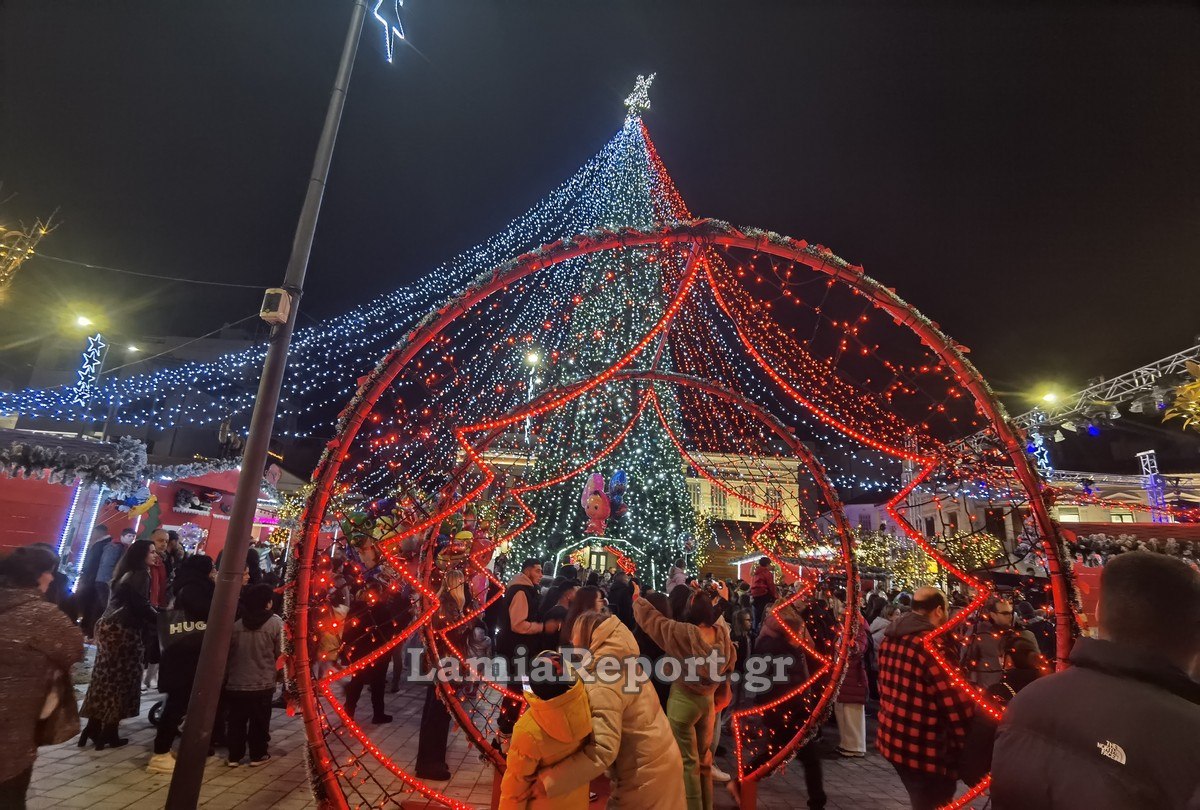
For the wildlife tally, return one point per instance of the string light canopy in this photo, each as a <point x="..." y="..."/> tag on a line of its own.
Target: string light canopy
<point x="673" y="350"/>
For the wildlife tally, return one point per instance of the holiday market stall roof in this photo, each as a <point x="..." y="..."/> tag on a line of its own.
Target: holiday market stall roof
<point x="119" y="467"/>
<point x="222" y="481"/>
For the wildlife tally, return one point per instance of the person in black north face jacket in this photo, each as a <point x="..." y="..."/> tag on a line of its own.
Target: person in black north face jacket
<point x="1119" y="730"/>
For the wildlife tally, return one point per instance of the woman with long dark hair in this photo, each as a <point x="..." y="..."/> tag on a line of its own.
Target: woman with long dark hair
<point x="115" y="690"/>
<point x="38" y="645"/>
<point x="587" y="598"/>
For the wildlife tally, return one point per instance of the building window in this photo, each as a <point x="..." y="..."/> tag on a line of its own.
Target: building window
<point x="1068" y="514"/>
<point x="716" y="500"/>
<point x="1018" y="521"/>
<point x="1121" y="517"/>
<point x="993" y="521"/>
<point x="864" y="522"/>
<point x="775" y="497"/>
<point x="930" y="527"/>
<point x="952" y="522"/>
<point x="746" y="506"/>
<point x="694" y="490"/>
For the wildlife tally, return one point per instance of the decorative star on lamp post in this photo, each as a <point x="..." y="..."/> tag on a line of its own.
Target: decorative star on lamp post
<point x="639" y="100"/>
<point x="89" y="370"/>
<point x="393" y="28"/>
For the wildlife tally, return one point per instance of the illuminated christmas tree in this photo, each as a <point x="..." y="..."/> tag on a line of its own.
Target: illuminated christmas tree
<point x="638" y="194"/>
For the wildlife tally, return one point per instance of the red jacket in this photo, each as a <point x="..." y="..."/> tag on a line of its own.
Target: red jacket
<point x="923" y="717"/>
<point x="763" y="582"/>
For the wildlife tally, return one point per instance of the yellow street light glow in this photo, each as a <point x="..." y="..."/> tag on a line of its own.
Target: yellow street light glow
<point x="83" y="320"/>
<point x="1050" y="397"/>
<point x="533" y="358"/>
<point x="132" y="349"/>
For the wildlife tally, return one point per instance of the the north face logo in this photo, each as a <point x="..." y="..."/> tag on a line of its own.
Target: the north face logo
<point x="1110" y="749"/>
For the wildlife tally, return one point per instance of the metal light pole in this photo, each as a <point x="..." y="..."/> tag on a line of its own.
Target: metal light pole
<point x="210" y="673"/>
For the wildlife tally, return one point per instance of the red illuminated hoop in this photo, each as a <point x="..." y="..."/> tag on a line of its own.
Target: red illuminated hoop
<point x="699" y="234"/>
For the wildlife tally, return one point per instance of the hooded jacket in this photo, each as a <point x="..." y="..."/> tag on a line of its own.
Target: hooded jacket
<point x="631" y="737"/>
<point x="547" y="733"/>
<point x="193" y="595"/>
<point x="253" y="651"/>
<point x="1116" y="731"/>
<point x="36" y="640"/>
<point x="762" y="583"/>
<point x="685" y="642"/>
<point x="923" y="717"/>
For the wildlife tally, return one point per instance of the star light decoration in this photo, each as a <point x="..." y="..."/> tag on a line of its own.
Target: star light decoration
<point x="392" y="26"/>
<point x="89" y="369"/>
<point x="638" y="101"/>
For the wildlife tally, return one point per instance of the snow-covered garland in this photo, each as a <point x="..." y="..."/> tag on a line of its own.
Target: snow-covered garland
<point x="119" y="468"/>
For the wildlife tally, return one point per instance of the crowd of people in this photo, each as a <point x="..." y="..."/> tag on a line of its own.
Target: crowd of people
<point x="1115" y="731"/>
<point x="655" y="733"/>
<point x="952" y="707"/>
<point x="144" y="605"/>
<point x="939" y="697"/>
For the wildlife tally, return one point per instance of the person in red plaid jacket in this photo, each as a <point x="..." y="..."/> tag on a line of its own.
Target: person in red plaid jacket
<point x="923" y="717"/>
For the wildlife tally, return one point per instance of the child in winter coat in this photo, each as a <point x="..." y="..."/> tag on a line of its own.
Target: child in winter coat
<point x="558" y="721"/>
<point x="250" y="675"/>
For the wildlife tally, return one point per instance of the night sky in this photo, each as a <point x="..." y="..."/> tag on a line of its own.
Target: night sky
<point x="1027" y="175"/>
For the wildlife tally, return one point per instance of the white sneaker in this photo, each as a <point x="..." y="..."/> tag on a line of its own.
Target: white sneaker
<point x="719" y="775"/>
<point x="161" y="763"/>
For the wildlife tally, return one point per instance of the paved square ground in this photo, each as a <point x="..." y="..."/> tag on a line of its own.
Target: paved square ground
<point x="67" y="776"/>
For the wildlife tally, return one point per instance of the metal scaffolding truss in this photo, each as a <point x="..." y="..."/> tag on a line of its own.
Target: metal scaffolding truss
<point x="1151" y="380"/>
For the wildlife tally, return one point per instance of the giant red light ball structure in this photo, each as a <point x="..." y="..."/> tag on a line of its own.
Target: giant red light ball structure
<point x="737" y="353"/>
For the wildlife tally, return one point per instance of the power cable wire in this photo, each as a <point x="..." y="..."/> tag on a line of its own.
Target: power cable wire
<point x="41" y="255"/>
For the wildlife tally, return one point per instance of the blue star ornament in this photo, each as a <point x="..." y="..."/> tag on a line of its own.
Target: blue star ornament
<point x="393" y="28"/>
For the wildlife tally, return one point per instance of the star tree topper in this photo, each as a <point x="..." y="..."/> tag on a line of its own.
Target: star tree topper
<point x="639" y="100"/>
<point x="393" y="28"/>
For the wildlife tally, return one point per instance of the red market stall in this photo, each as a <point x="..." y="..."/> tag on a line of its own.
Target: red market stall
<point x="54" y="489"/>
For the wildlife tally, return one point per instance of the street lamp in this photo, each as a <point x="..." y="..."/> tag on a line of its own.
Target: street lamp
<point x="532" y="359"/>
<point x="83" y="321"/>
